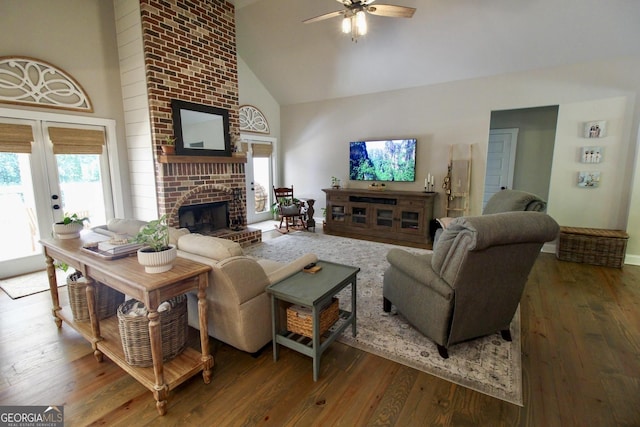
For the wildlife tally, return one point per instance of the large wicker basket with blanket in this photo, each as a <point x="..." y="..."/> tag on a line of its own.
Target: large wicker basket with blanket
<point x="134" y="330"/>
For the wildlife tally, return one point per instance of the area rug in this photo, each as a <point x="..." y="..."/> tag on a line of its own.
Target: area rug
<point x="489" y="365"/>
<point x="29" y="284"/>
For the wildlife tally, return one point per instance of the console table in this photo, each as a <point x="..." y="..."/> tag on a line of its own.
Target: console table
<point x="127" y="276"/>
<point x="400" y="217"/>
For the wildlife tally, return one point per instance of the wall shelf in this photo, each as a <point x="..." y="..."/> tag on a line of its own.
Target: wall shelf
<point x="200" y="159"/>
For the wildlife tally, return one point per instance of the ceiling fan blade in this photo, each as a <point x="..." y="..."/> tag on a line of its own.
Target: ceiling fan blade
<point x="325" y="16"/>
<point x="391" y="11"/>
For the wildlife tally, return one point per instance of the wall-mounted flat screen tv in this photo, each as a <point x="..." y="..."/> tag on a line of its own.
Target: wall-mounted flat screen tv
<point x="388" y="160"/>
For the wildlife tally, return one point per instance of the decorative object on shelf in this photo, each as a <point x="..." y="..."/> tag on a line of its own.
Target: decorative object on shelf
<point x="157" y="255"/>
<point x="69" y="227"/>
<point x="429" y="183"/>
<point x="335" y="182"/>
<point x="377" y="187"/>
<point x="591" y="154"/>
<point x="29" y="81"/>
<point x="595" y="129"/>
<point x="168" y="146"/>
<point x="588" y="179"/>
<point x="252" y="120"/>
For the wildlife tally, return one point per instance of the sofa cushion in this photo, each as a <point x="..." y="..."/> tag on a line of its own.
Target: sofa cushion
<point x="209" y="246"/>
<point x="176" y="233"/>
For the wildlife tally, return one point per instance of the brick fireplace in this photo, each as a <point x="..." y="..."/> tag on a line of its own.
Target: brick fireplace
<point x="190" y="55"/>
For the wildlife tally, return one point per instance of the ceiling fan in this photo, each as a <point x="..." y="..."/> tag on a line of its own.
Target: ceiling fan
<point x="354" y="18"/>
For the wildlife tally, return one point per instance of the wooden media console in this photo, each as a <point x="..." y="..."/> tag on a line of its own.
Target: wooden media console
<point x="398" y="217"/>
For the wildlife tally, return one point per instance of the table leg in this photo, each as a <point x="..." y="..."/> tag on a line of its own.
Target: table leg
<point x="93" y="317"/>
<point x="207" y="359"/>
<point x="160" y="391"/>
<point x="53" y="289"/>
<point x="353" y="304"/>
<point x="315" y="326"/>
<point x="274" y="326"/>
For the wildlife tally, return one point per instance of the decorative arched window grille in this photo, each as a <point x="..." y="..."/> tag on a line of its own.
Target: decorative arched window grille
<point x="252" y="120"/>
<point x="28" y="81"/>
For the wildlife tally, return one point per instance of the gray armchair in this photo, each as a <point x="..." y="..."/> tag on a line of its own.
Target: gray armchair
<point x="471" y="285"/>
<point x="504" y="201"/>
<point x="514" y="200"/>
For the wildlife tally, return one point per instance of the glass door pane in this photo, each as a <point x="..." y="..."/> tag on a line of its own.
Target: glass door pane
<point x="81" y="186"/>
<point x="18" y="222"/>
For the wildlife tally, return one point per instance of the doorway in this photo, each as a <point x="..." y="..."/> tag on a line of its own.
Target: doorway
<point x="535" y="146"/>
<point x="259" y="176"/>
<point x="48" y="169"/>
<point x="501" y="156"/>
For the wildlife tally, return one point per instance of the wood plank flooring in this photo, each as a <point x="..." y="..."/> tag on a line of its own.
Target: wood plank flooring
<point x="581" y="367"/>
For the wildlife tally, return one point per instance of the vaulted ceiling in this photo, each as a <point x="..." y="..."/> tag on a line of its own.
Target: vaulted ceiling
<point x="446" y="40"/>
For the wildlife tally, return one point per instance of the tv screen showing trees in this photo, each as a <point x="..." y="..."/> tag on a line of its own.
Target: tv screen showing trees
<point x="389" y="160"/>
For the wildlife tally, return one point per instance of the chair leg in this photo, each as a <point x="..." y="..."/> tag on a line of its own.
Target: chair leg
<point x="444" y="353"/>
<point x="386" y="305"/>
<point x="506" y="334"/>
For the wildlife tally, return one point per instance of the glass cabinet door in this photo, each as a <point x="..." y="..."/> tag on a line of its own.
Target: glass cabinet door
<point x="411" y="221"/>
<point x="337" y="213"/>
<point x="383" y="218"/>
<point x="358" y="215"/>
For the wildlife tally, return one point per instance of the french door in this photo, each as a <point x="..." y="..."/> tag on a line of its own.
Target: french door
<point x="48" y="169"/>
<point x="259" y="176"/>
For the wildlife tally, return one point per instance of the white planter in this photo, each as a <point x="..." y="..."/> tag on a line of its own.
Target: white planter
<point x="67" y="231"/>
<point x="157" y="262"/>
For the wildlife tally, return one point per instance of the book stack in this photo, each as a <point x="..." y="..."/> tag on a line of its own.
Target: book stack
<point x="118" y="248"/>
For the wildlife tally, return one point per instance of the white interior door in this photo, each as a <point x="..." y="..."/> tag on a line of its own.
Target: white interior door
<point x="39" y="184"/>
<point x="259" y="172"/>
<point x="501" y="156"/>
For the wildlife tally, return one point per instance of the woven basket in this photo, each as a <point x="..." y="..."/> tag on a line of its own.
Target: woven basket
<point x="592" y="246"/>
<point x="134" y="332"/>
<point x="300" y="319"/>
<point x="107" y="299"/>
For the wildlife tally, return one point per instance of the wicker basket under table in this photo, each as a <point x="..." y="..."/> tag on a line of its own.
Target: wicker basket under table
<point x="592" y="246"/>
<point x="300" y="320"/>
<point x="134" y="332"/>
<point x="107" y="299"/>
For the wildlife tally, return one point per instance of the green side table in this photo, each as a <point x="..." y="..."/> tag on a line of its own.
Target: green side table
<point x="314" y="291"/>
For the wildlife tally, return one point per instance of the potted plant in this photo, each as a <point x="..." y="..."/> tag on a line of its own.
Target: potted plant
<point x="69" y="227"/>
<point x="168" y="146"/>
<point x="157" y="255"/>
<point x="335" y="182"/>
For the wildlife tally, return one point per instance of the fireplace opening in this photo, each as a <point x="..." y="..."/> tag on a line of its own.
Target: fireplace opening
<point x="204" y="218"/>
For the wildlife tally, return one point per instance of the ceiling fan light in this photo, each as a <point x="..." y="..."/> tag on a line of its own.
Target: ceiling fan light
<point x="361" y="23"/>
<point x="346" y="25"/>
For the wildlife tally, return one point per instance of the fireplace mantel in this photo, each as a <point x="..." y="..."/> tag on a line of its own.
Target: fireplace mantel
<point x="201" y="159"/>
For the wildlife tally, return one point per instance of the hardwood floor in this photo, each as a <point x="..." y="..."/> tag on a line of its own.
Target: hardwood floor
<point x="581" y="367"/>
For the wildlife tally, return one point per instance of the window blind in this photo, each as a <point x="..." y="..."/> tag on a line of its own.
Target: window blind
<point x="76" y="141"/>
<point x="15" y="138"/>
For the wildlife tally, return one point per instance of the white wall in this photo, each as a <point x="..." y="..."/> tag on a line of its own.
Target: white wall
<point x="78" y="37"/>
<point x="607" y="205"/>
<point x="315" y="136"/>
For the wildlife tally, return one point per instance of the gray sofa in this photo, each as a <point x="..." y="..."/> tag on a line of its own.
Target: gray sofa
<point x="471" y="285"/>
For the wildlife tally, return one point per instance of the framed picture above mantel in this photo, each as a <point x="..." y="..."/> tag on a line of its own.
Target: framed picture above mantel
<point x="200" y="130"/>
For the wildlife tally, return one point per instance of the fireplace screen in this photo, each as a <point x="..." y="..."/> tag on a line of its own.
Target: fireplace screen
<point x="204" y="218"/>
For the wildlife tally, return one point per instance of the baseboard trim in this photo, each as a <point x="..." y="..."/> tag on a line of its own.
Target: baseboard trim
<point x="628" y="259"/>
